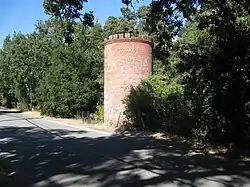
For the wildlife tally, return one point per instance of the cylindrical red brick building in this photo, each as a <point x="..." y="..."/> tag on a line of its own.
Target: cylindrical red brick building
<point x="127" y="60"/>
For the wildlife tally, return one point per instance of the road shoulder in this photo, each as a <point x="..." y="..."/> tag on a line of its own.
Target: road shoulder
<point x="71" y="122"/>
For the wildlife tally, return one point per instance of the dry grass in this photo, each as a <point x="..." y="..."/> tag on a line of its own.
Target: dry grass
<point x="159" y="136"/>
<point x="74" y="122"/>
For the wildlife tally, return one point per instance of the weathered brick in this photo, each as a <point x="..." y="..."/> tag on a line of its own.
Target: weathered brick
<point x="127" y="60"/>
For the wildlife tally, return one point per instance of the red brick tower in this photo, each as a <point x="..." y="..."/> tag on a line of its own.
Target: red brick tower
<point x="127" y="60"/>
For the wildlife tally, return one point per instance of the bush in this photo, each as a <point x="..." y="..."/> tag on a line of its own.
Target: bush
<point x="99" y="114"/>
<point x="22" y="106"/>
<point x="158" y="103"/>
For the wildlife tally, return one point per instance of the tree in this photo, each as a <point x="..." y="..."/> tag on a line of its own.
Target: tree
<point x="214" y="57"/>
<point x="67" y="13"/>
<point x="142" y="16"/>
<point x="68" y="10"/>
<point x="24" y="62"/>
<point x="7" y="98"/>
<point x="123" y="24"/>
<point x="72" y="82"/>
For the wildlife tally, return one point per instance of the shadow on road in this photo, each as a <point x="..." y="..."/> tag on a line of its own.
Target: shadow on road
<point x="44" y="159"/>
<point x="9" y="112"/>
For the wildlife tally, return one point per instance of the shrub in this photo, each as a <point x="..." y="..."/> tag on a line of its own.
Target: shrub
<point x="158" y="103"/>
<point x="99" y="114"/>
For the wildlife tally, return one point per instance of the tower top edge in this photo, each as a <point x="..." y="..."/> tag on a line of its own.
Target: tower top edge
<point x="127" y="37"/>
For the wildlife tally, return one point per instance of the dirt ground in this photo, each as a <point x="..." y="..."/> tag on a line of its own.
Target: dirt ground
<point x="98" y="126"/>
<point x="75" y="122"/>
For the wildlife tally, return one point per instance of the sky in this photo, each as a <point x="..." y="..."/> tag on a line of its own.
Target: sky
<point x="22" y="15"/>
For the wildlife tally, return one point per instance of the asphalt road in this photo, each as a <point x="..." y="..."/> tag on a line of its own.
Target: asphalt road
<point x="47" y="154"/>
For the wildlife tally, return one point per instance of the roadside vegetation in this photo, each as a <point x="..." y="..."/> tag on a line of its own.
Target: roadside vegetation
<point x="200" y="85"/>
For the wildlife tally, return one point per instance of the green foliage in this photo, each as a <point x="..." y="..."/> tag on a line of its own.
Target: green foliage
<point x="210" y="55"/>
<point x="214" y="61"/>
<point x="98" y="115"/>
<point x="158" y="102"/>
<point x="68" y="10"/>
<point x="159" y="68"/>
<point x="7" y="98"/>
<point x="22" y="63"/>
<point x="66" y="13"/>
<point x="71" y="82"/>
<point x="123" y="24"/>
<point x="66" y="90"/>
<point x="42" y="70"/>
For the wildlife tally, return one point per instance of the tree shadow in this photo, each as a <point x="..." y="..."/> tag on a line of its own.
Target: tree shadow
<point x="44" y="159"/>
<point x="9" y="112"/>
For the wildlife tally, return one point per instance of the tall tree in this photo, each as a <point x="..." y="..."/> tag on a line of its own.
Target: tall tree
<point x="7" y="97"/>
<point x="123" y="24"/>
<point x="214" y="57"/>
<point x="73" y="81"/>
<point x="68" y="10"/>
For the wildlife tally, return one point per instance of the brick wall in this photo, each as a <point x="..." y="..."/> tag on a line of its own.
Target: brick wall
<point x="127" y="60"/>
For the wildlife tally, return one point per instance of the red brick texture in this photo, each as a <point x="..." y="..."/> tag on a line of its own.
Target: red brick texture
<point x="127" y="60"/>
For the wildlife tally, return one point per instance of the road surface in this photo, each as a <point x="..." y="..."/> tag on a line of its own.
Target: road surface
<point x="47" y="154"/>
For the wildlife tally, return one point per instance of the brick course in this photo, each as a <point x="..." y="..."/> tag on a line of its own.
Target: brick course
<point x="127" y="60"/>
